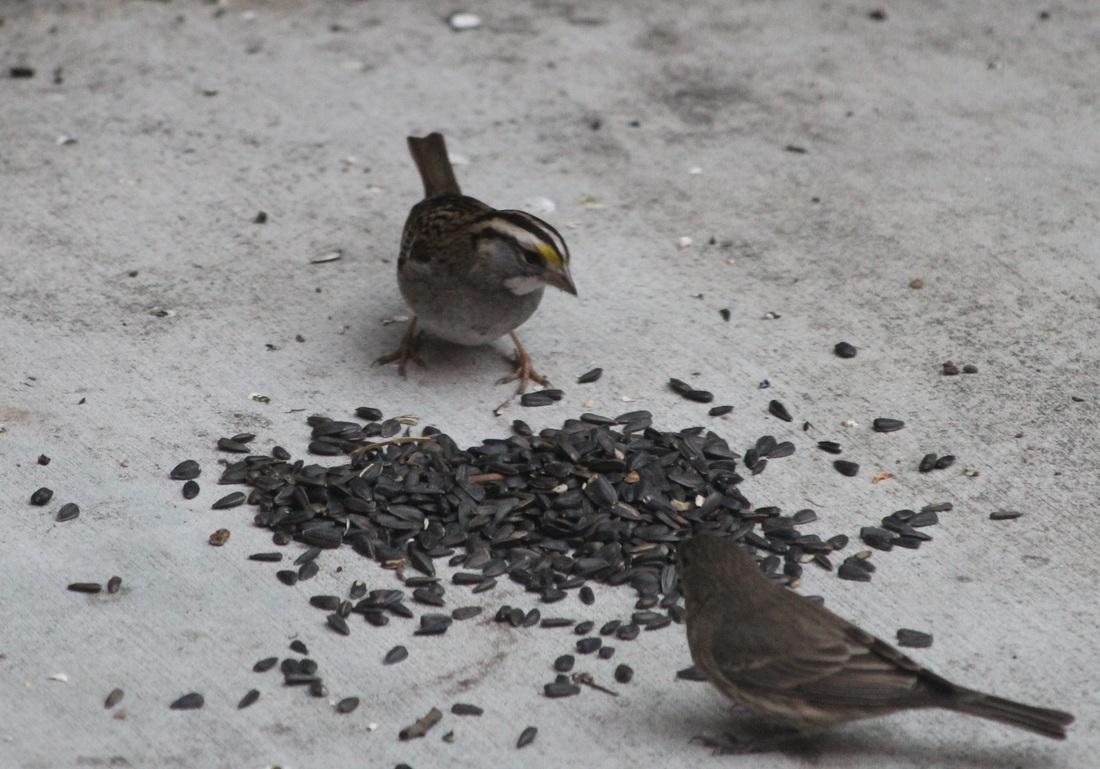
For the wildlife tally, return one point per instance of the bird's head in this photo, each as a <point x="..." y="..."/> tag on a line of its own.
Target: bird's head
<point x="522" y="252"/>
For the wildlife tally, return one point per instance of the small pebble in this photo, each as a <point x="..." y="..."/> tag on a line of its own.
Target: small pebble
<point x="844" y="350"/>
<point x="219" y="537"/>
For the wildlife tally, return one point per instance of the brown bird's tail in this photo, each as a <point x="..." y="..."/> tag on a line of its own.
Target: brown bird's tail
<point x="1049" y="723"/>
<point x="430" y="154"/>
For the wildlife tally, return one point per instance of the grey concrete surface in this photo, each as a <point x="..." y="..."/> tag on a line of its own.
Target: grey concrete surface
<point x="954" y="142"/>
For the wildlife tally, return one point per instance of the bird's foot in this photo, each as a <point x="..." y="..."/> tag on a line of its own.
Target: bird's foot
<point x="525" y="370"/>
<point x="404" y="353"/>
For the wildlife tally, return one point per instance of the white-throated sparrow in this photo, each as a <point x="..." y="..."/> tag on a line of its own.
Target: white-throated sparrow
<point x="471" y="273"/>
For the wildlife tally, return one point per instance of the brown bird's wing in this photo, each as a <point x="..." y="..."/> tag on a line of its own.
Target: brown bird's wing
<point x="825" y="660"/>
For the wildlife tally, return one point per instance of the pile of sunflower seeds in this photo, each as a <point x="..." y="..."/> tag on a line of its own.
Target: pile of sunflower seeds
<point x="600" y="499"/>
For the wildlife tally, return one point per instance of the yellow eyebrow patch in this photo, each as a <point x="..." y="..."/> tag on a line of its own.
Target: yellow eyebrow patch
<point x="550" y="254"/>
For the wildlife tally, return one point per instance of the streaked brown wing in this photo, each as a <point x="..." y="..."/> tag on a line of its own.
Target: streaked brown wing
<point x="830" y="663"/>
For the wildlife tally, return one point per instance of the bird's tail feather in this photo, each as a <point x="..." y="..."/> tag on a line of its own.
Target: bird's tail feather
<point x="1049" y="723"/>
<point x="430" y="154"/>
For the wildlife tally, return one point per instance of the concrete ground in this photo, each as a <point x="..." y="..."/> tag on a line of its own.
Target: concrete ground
<point x="140" y="306"/>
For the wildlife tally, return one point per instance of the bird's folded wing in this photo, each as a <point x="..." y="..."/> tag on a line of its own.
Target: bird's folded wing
<point x="842" y="668"/>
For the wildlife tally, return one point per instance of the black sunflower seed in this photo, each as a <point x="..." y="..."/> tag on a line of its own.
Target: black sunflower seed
<point x="466" y="709"/>
<point x="552" y="622"/>
<point x="779" y="411"/>
<point x="265" y="664"/>
<point x="248" y="699"/>
<point x="299" y="646"/>
<point x="606" y="652"/>
<point x="886" y="425"/>
<point x="831" y="447"/>
<point x="433" y="624"/>
<point x="719" y="411"/>
<point x="85" y="587"/>
<point x="535" y="399"/>
<point x="230" y="500"/>
<point x="691" y="674"/>
<point x="927" y="463"/>
<point x="43" y="460"/>
<point x="560" y="689"/>
<point x="465" y="612"/>
<point x="68" y="512"/>
<point x="1004" y="515"/>
<point x="266" y="557"/>
<point x="338" y="623"/>
<point x="587" y="596"/>
<point x="527" y="736"/>
<point x="844" y="467"/>
<point x="584" y="628"/>
<point x="395" y="655"/>
<point x="950" y="369"/>
<point x="288" y="577"/>
<point x="784" y="449"/>
<point x="589" y="645"/>
<point x="230" y="445"/>
<point x="590" y="376"/>
<point x="347" y="704"/>
<point x="191" y="701"/>
<point x="41" y="496"/>
<point x="624" y="674"/>
<point x="844" y="350"/>
<point x="369" y="413"/>
<point x="564" y="663"/>
<point x="113" y="698"/>
<point x="186" y="470"/>
<point x="945" y="461"/>
<point x="190" y="490"/>
<point x="914" y="639"/>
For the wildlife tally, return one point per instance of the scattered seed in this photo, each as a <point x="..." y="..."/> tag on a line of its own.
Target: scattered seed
<point x="219" y="537"/>
<point x="86" y="587"/>
<point x="691" y="674"/>
<point x="590" y="376"/>
<point x="844" y="467"/>
<point x="347" y="704"/>
<point x="589" y="645"/>
<point x="779" y="411"/>
<point x="527" y="736"/>
<point x="395" y="655"/>
<point x="466" y="709"/>
<point x="844" y="350"/>
<point x="832" y="447"/>
<point x="248" y="699"/>
<point x="113" y="698"/>
<point x="114" y="584"/>
<point x="559" y="689"/>
<point x="191" y="701"/>
<point x="43" y="460"/>
<point x="1004" y="515"/>
<point x="950" y="369"/>
<point x="465" y="612"/>
<point x="68" y="512"/>
<point x="338" y="623"/>
<point x="914" y="639"/>
<point x="186" y="470"/>
<point x="230" y="445"/>
<point x="564" y="663"/>
<point x="887" y="425"/>
<point x="970" y="368"/>
<point x="266" y="557"/>
<point x="41" y="496"/>
<point x="927" y="463"/>
<point x="190" y="490"/>
<point x="230" y="500"/>
<point x="624" y="674"/>
<point x="265" y="664"/>
<point x="720" y="411"/>
<point x="945" y="461"/>
<point x="288" y="577"/>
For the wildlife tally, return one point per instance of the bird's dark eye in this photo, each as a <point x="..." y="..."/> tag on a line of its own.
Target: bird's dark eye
<point x="531" y="258"/>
